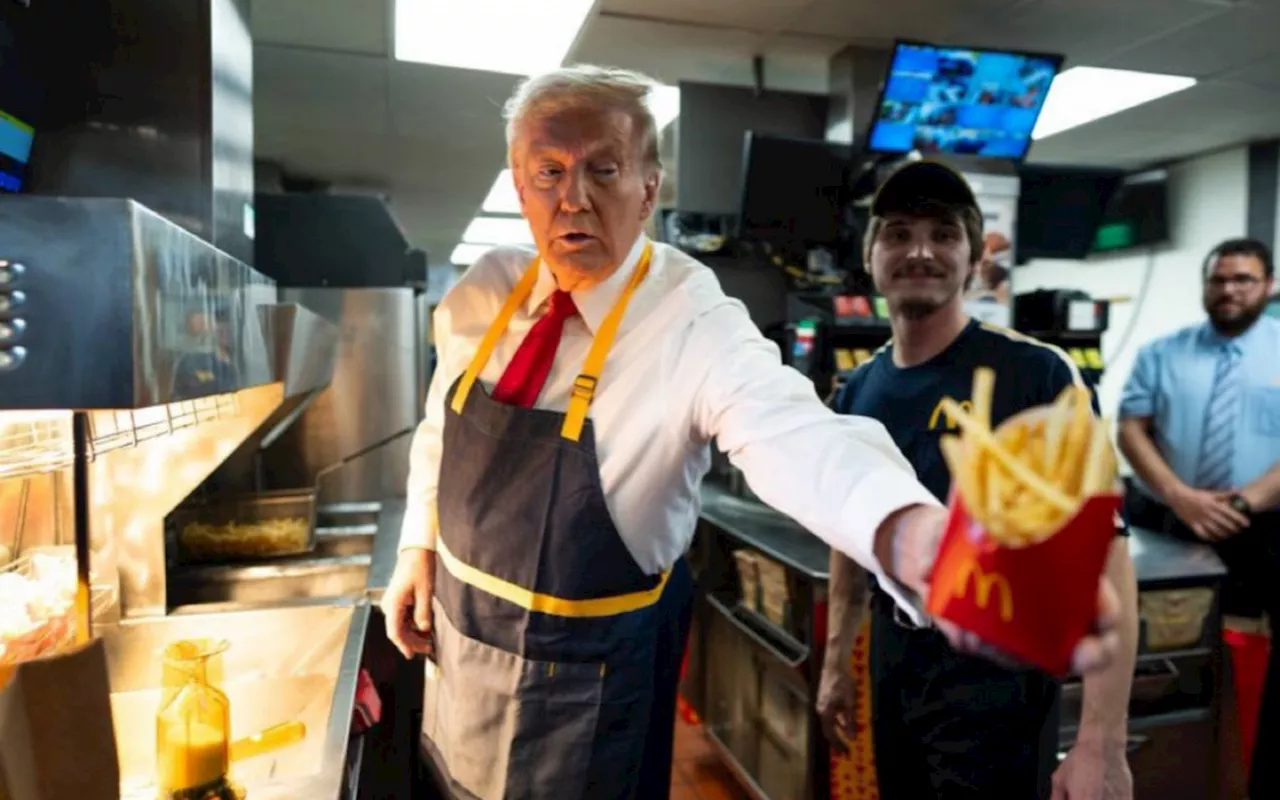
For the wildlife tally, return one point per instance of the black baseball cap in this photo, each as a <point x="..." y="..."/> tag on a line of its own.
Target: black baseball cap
<point x="917" y="184"/>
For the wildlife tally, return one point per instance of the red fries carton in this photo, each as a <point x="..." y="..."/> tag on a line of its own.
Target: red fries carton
<point x="1033" y="516"/>
<point x="1036" y="602"/>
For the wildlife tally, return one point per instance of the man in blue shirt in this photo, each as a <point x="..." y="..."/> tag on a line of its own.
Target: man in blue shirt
<point x="948" y="725"/>
<point x="1200" y="425"/>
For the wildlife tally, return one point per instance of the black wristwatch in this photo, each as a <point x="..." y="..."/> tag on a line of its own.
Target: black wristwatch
<point x="1240" y="504"/>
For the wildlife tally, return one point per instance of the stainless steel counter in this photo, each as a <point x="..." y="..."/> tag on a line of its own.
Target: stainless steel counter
<point x="385" y="547"/>
<point x="1156" y="558"/>
<point x="292" y="662"/>
<point x="752" y="675"/>
<point x="290" y="659"/>
<point x="771" y="532"/>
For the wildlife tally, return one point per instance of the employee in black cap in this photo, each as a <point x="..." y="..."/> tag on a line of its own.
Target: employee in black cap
<point x="946" y="724"/>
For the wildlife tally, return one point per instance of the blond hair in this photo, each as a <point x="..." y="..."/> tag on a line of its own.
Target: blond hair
<point x="606" y="88"/>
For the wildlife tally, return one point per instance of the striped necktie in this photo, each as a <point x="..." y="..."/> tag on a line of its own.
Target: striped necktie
<point x="1217" y="447"/>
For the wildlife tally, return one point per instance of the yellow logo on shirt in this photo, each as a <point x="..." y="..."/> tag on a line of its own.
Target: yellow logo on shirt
<point x="939" y="414"/>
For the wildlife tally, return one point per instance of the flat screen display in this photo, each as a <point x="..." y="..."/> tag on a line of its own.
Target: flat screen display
<point x="961" y="101"/>
<point x="20" y="99"/>
<point x="16" y="136"/>
<point x="1060" y="208"/>
<point x="1136" y="215"/>
<point x="794" y="191"/>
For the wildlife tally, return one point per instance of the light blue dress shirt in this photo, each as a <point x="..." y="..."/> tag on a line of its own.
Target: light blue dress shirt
<point x="1172" y="383"/>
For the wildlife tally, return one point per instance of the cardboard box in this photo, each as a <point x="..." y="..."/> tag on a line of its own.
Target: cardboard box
<point x="57" y="741"/>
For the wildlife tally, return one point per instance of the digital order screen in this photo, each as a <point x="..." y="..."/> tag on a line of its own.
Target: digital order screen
<point x="961" y="101"/>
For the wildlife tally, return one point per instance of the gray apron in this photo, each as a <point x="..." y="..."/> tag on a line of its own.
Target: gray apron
<point x="556" y="656"/>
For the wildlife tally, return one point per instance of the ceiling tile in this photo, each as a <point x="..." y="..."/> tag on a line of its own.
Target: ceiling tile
<point x="1086" y="31"/>
<point x="672" y="53"/>
<point x="1230" y="40"/>
<point x="754" y="15"/>
<point x="882" y="22"/>
<point x="356" y="26"/>
<point x="1265" y="73"/>
<point x="323" y="91"/>
<point x="454" y="107"/>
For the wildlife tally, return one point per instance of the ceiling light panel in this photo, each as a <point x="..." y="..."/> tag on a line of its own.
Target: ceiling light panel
<point x="517" y="37"/>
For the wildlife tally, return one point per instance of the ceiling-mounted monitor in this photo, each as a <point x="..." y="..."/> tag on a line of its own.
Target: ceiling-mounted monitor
<point x="794" y="191"/>
<point x="960" y="101"/>
<point x="20" y="98"/>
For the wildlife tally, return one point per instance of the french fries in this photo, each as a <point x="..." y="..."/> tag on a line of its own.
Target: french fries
<point x="1031" y="474"/>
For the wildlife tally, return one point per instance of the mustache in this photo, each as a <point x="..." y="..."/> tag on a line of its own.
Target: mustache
<point x="919" y="269"/>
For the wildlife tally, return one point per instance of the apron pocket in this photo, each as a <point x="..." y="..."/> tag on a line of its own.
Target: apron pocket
<point x="556" y="729"/>
<point x="508" y="728"/>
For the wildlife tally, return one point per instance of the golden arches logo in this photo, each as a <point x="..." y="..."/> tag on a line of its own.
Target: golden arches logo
<point x="984" y="584"/>
<point x="935" y="417"/>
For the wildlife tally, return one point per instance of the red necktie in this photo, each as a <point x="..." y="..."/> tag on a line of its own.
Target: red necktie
<point x="527" y="373"/>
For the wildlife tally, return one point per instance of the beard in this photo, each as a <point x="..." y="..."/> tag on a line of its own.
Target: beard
<point x="1234" y="324"/>
<point x="918" y="305"/>
<point x="917" y="308"/>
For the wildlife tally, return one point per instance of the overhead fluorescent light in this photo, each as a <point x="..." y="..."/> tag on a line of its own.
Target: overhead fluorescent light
<point x="502" y="197"/>
<point x="498" y="230"/>
<point x="464" y="255"/>
<point x="664" y="104"/>
<point x="1084" y="94"/>
<point x="516" y="37"/>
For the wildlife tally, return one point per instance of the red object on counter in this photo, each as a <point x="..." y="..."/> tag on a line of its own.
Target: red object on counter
<point x="368" y="708"/>
<point x="1035" y="602"/>
<point x="1249" y="653"/>
<point x="683" y="707"/>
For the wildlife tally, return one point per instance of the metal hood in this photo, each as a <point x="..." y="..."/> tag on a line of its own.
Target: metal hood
<point x="105" y="304"/>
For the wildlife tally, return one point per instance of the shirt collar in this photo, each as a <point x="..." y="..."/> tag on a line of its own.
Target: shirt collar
<point x="1210" y="337"/>
<point x="594" y="302"/>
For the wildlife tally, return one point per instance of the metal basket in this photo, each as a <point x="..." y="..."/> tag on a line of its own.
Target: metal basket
<point x="250" y="526"/>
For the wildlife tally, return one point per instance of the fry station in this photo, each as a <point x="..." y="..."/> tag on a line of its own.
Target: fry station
<point x="229" y="625"/>
<point x="193" y="523"/>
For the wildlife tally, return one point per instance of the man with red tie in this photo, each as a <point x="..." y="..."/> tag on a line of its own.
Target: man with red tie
<point x="554" y="479"/>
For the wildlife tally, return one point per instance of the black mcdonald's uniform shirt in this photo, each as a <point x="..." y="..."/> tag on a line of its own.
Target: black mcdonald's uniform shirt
<point x="908" y="400"/>
<point x="990" y="730"/>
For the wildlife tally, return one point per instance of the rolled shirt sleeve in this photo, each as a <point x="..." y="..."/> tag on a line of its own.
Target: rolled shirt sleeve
<point x="1138" y="398"/>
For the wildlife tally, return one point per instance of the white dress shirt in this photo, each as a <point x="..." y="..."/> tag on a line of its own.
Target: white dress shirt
<point x="688" y="364"/>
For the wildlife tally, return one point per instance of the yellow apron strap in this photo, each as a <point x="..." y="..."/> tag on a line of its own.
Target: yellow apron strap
<point x="499" y="326"/>
<point x="584" y="386"/>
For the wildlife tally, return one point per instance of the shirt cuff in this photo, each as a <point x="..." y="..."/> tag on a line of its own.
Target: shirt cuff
<point x="1136" y="408"/>
<point x="875" y="498"/>
<point x="418" y="530"/>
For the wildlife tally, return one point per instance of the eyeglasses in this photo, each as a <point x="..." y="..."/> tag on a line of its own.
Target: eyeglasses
<point x="1241" y="281"/>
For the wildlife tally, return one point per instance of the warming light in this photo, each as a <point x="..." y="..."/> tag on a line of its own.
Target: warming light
<point x="517" y="37"/>
<point x="1084" y="94"/>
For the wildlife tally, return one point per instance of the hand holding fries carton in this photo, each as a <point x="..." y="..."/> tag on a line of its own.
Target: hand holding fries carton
<point x="1033" y="510"/>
